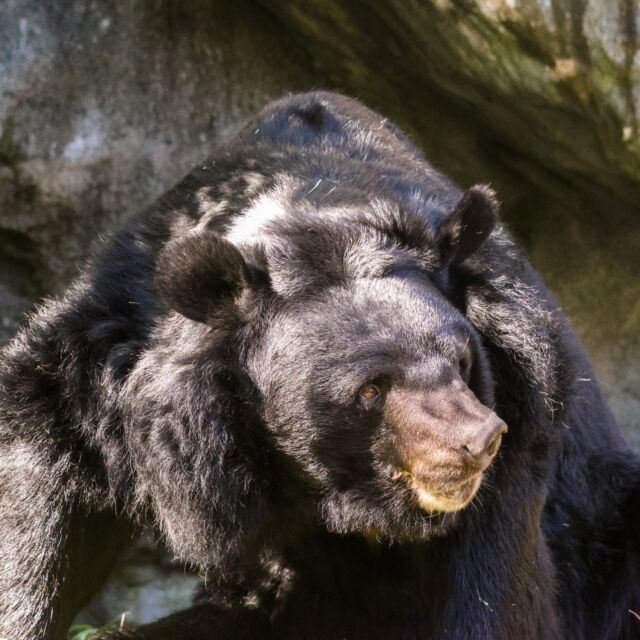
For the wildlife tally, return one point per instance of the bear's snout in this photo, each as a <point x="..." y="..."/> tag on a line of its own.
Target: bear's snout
<point x="483" y="444"/>
<point x="442" y="441"/>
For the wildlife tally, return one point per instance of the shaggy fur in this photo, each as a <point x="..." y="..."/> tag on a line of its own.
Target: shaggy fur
<point x="210" y="375"/>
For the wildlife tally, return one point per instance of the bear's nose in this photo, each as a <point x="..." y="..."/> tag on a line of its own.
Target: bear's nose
<point x="484" y="445"/>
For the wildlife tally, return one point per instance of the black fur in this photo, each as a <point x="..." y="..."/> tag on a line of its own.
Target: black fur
<point x="207" y="382"/>
<point x="195" y="272"/>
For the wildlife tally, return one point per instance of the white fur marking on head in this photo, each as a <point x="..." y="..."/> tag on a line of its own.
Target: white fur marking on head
<point x="249" y="227"/>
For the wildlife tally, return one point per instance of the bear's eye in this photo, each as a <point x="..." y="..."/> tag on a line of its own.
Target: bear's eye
<point x="464" y="364"/>
<point x="369" y="392"/>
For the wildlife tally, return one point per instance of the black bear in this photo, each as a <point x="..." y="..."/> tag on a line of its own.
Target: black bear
<point x="332" y="381"/>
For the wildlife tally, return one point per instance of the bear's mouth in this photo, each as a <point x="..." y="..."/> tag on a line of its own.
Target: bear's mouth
<point x="431" y="500"/>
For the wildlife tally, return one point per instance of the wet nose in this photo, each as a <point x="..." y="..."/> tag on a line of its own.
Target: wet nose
<point x="485" y="444"/>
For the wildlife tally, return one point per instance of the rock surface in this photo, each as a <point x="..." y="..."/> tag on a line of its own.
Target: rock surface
<point x="105" y="104"/>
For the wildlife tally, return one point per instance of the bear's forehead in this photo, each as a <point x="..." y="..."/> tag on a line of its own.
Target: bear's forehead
<point x="389" y="327"/>
<point x="394" y="315"/>
<point x="306" y="244"/>
<point x="332" y="201"/>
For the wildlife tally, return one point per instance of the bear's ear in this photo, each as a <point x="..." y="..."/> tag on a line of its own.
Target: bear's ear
<point x="468" y="225"/>
<point x="198" y="271"/>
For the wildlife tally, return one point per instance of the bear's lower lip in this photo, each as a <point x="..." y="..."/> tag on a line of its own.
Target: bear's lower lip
<point x="434" y="501"/>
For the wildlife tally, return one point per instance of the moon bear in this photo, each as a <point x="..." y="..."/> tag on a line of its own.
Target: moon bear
<point x="329" y="379"/>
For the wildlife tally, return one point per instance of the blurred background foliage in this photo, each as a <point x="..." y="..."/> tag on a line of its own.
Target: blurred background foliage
<point x="104" y="104"/>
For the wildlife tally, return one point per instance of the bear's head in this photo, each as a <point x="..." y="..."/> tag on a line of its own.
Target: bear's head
<point x="380" y="392"/>
<point x="326" y="375"/>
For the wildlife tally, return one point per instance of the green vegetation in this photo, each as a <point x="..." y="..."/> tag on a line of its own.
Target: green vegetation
<point x="82" y="632"/>
<point x="87" y="631"/>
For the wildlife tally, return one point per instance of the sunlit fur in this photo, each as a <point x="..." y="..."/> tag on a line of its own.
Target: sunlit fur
<point x="200" y="378"/>
<point x="434" y="502"/>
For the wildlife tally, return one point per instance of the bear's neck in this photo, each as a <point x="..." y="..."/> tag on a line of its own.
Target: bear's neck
<point x="340" y="575"/>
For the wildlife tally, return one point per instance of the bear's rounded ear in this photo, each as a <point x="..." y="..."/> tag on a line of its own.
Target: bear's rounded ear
<point x="198" y="271"/>
<point x="468" y="225"/>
